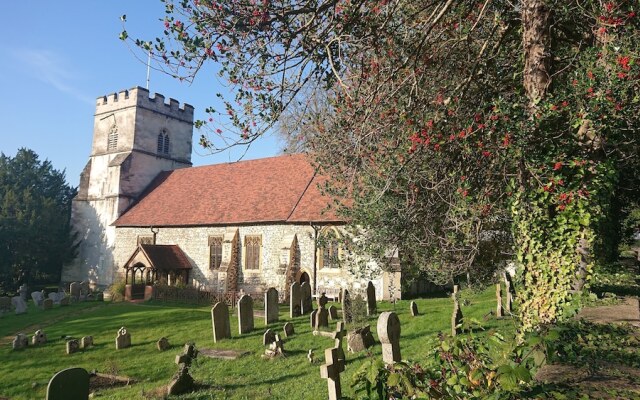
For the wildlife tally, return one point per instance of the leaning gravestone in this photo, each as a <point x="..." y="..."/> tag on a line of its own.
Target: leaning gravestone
<point x="333" y="313"/>
<point x="24" y="291"/>
<point x="372" y="306"/>
<point x="47" y="304"/>
<point x="414" y="309"/>
<point x="268" y="337"/>
<point x="271" y="306"/>
<point x="360" y="339"/>
<point x="20" y="341"/>
<point x="163" y="344"/>
<point x="245" y="314"/>
<point x="73" y="346"/>
<point x="456" y="316"/>
<point x="86" y="342"/>
<point x="306" y="303"/>
<point x="389" y="334"/>
<point x="288" y="329"/>
<point x="39" y="338"/>
<point x="123" y="339"/>
<point x="220" y="321"/>
<point x="346" y="307"/>
<point x="276" y="348"/>
<point x="294" y="300"/>
<point x="19" y="304"/>
<point x="37" y="298"/>
<point x="74" y="289"/>
<point x="331" y="372"/>
<point x="69" y="384"/>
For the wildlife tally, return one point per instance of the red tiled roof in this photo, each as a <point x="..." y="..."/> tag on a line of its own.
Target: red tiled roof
<point x="166" y="257"/>
<point x="270" y="190"/>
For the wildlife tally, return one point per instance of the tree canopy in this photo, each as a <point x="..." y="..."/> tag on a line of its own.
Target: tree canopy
<point x="465" y="132"/>
<point x="35" y="210"/>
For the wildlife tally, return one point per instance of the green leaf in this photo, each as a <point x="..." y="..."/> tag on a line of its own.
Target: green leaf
<point x="393" y="379"/>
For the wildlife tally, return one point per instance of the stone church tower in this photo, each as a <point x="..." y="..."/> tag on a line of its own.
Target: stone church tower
<point x="135" y="137"/>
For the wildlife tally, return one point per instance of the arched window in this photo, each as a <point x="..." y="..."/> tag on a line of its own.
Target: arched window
<point x="163" y="142"/>
<point x="329" y="248"/>
<point x="160" y="143"/>
<point x="166" y="144"/>
<point x="112" y="139"/>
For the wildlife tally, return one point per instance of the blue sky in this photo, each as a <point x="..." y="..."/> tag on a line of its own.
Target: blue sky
<point x="59" y="56"/>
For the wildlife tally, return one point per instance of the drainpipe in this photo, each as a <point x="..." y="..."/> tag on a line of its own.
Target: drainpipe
<point x="155" y="233"/>
<point x="315" y="257"/>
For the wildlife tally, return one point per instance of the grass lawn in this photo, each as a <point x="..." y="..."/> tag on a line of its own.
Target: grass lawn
<point x="24" y="374"/>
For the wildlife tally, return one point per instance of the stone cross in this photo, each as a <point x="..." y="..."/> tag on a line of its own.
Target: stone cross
<point x="245" y="314"/>
<point x="331" y="372"/>
<point x="71" y="383"/>
<point x="499" y="312"/>
<point x="20" y="341"/>
<point x="372" y="306"/>
<point x="19" y="304"/>
<point x="338" y="336"/>
<point x="72" y="346"/>
<point x="306" y="302"/>
<point x="414" y="309"/>
<point x="86" y="341"/>
<point x="456" y="317"/>
<point x="271" y="306"/>
<point x="389" y="335"/>
<point x="220" y="321"/>
<point x="333" y="313"/>
<point x="294" y="300"/>
<point x="39" y="338"/>
<point x="123" y="339"/>
<point x="288" y="329"/>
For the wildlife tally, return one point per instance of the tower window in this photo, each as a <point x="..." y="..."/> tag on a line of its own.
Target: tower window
<point x="112" y="139"/>
<point x="163" y="142"/>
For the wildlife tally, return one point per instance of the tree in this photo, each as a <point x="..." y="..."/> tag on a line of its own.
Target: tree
<point x="35" y="210"/>
<point x="455" y="126"/>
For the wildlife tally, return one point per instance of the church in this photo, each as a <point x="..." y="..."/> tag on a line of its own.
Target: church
<point x="143" y="213"/>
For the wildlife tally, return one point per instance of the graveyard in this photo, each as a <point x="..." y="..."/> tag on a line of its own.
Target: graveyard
<point x="25" y="373"/>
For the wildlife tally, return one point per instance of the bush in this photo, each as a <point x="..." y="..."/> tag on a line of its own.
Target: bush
<point x="117" y="290"/>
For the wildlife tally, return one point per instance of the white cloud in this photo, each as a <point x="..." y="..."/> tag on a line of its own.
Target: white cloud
<point x="51" y="69"/>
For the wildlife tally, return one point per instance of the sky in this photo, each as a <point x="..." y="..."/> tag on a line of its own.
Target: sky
<point x="57" y="57"/>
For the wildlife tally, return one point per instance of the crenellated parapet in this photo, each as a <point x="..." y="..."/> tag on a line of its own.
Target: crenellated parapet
<point x="140" y="97"/>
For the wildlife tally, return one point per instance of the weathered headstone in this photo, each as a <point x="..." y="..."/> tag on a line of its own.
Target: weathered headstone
<point x="84" y="290"/>
<point x="74" y="290"/>
<point x="245" y="314"/>
<point x="306" y="302"/>
<point x="322" y="318"/>
<point x="312" y="319"/>
<point x="499" y="311"/>
<point x="414" y="309"/>
<point x="288" y="329"/>
<point x="72" y="383"/>
<point x="56" y="297"/>
<point x="19" y="304"/>
<point x="5" y="304"/>
<point x="182" y="382"/>
<point x="123" y="339"/>
<point x="372" y="306"/>
<point x="456" y="317"/>
<point x="333" y="313"/>
<point x="331" y="372"/>
<point x="389" y="334"/>
<point x="24" y="291"/>
<point x="39" y="338"/>
<point x="86" y="342"/>
<point x="268" y="337"/>
<point x="271" y="306"/>
<point x="64" y="301"/>
<point x="276" y="348"/>
<point x="72" y="346"/>
<point x="360" y="339"/>
<point x="220" y="321"/>
<point x="456" y="288"/>
<point x="163" y="344"/>
<point x="37" y="298"/>
<point x="347" y="316"/>
<point x="20" y="341"/>
<point x="294" y="300"/>
<point x="509" y="292"/>
<point x="47" y="304"/>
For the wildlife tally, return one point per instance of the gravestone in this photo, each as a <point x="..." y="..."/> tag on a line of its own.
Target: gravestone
<point x="271" y="306"/>
<point x="163" y="344"/>
<point x="338" y="337"/>
<point x="499" y="311"/>
<point x="312" y="319"/>
<point x="64" y="301"/>
<point x="73" y="346"/>
<point x="509" y="292"/>
<point x="39" y="338"/>
<point x="331" y="372"/>
<point x="220" y="321"/>
<point x="389" y="335"/>
<point x="68" y="384"/>
<point x="86" y="342"/>
<point x="306" y="302"/>
<point x="20" y="341"/>
<point x="456" y="288"/>
<point x="333" y="313"/>
<point x="74" y="290"/>
<point x="288" y="329"/>
<point x="456" y="317"/>
<point x="123" y="339"/>
<point x="372" y="306"/>
<point x="38" y="298"/>
<point x="24" y="291"/>
<point x="19" y="304"/>
<point x="5" y="304"/>
<point x="346" y="307"/>
<point x="182" y="382"/>
<point x="100" y="296"/>
<point x="276" y="348"/>
<point x="245" y="314"/>
<point x="311" y="357"/>
<point x="84" y="290"/>
<point x="294" y="300"/>
<point x="47" y="304"/>
<point x="322" y="315"/>
<point x="360" y="339"/>
<point x="268" y="337"/>
<point x="56" y="297"/>
<point x="414" y="309"/>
